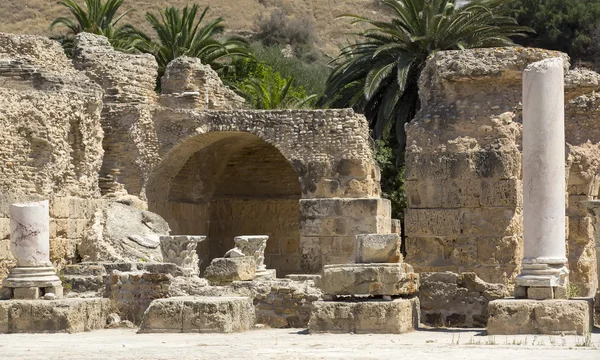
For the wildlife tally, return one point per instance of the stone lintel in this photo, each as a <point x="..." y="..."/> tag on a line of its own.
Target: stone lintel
<point x="542" y="317"/>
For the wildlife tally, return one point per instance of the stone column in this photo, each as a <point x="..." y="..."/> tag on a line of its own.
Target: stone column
<point x="543" y="266"/>
<point x="30" y="245"/>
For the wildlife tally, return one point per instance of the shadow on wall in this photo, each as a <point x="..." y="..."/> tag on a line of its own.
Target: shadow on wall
<point x="227" y="184"/>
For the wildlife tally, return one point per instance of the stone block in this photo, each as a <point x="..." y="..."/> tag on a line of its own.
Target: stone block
<point x="378" y="248"/>
<point x="50" y="316"/>
<point x="29" y="293"/>
<point x="57" y="290"/>
<point x="432" y="222"/>
<point x="543" y="317"/>
<point x="491" y="221"/>
<point x="85" y="269"/>
<point x="501" y="193"/>
<point x="540" y="293"/>
<point x="4" y="228"/>
<point x="199" y="315"/>
<point x="451" y="300"/>
<point x="365" y="317"/>
<point x="396" y="226"/>
<point x="368" y="279"/>
<point x="226" y="270"/>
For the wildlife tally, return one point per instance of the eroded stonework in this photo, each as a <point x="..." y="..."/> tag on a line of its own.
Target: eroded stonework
<point x="50" y="142"/>
<point x="463" y="165"/>
<point x="190" y="153"/>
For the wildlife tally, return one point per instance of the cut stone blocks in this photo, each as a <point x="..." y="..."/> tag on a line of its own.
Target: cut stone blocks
<point x="544" y="317"/>
<point x="368" y="279"/>
<point x="226" y="270"/>
<point x="378" y="248"/>
<point x="199" y="315"/>
<point x="50" y="316"/>
<point x="365" y="317"/>
<point x="456" y="300"/>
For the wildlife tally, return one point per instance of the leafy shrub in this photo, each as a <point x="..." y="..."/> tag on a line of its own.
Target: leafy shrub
<point x="278" y="29"/>
<point x="265" y="88"/>
<point x="311" y="77"/>
<point x="392" y="178"/>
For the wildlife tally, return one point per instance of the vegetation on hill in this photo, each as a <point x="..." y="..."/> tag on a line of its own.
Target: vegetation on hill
<point x="97" y="18"/>
<point x="565" y="25"/>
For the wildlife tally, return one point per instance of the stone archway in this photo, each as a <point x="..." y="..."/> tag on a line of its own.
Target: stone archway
<point x="225" y="184"/>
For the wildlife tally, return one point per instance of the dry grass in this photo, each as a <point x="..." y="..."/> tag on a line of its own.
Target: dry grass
<point x="35" y="16"/>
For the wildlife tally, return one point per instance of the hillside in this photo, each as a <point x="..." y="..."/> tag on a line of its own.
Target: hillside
<point x="35" y="16"/>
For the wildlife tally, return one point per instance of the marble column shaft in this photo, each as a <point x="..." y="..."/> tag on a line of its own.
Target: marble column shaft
<point x="543" y="175"/>
<point x="30" y="234"/>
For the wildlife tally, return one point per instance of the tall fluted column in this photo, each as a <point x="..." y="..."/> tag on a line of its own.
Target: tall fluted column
<point x="543" y="181"/>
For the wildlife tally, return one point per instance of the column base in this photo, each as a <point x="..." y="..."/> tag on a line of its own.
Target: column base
<point x="266" y="274"/>
<point x="542" y="275"/>
<point x="541" y="292"/>
<point x="31" y="277"/>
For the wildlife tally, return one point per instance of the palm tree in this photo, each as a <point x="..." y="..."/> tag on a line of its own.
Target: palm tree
<point x="180" y="34"/>
<point x="273" y="93"/>
<point x="100" y="19"/>
<point x="378" y="75"/>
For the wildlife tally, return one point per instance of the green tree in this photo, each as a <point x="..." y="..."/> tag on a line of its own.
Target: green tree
<point x="564" y="25"/>
<point x="265" y="88"/>
<point x="378" y="74"/>
<point x="181" y="33"/>
<point x="97" y="18"/>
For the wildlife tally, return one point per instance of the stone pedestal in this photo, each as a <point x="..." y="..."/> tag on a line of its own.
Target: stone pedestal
<point x="544" y="317"/>
<point x="53" y="316"/>
<point x="544" y="261"/>
<point x="181" y="251"/>
<point x="199" y="315"/>
<point x="34" y="275"/>
<point x="365" y="317"/>
<point x="374" y="297"/>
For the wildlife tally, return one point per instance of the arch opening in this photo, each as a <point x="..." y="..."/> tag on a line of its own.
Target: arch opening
<point x="229" y="184"/>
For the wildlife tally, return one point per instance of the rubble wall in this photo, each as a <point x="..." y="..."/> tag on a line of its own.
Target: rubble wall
<point x="50" y="141"/>
<point x="463" y="165"/>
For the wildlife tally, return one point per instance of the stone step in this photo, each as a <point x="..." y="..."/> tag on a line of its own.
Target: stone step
<point x="199" y="315"/>
<point x="53" y="316"/>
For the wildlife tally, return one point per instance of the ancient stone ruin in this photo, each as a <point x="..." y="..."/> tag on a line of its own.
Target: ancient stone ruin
<point x="184" y="212"/>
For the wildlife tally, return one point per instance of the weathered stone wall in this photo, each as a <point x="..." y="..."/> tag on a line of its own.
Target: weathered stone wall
<point x="50" y="140"/>
<point x="463" y="165"/>
<point x="128" y="82"/>
<point x="297" y="154"/>
<point x="207" y="167"/>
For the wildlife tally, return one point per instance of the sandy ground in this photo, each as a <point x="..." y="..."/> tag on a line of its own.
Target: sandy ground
<point x="295" y="344"/>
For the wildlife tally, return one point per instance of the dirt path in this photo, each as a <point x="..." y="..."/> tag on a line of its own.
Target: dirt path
<point x="293" y="344"/>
